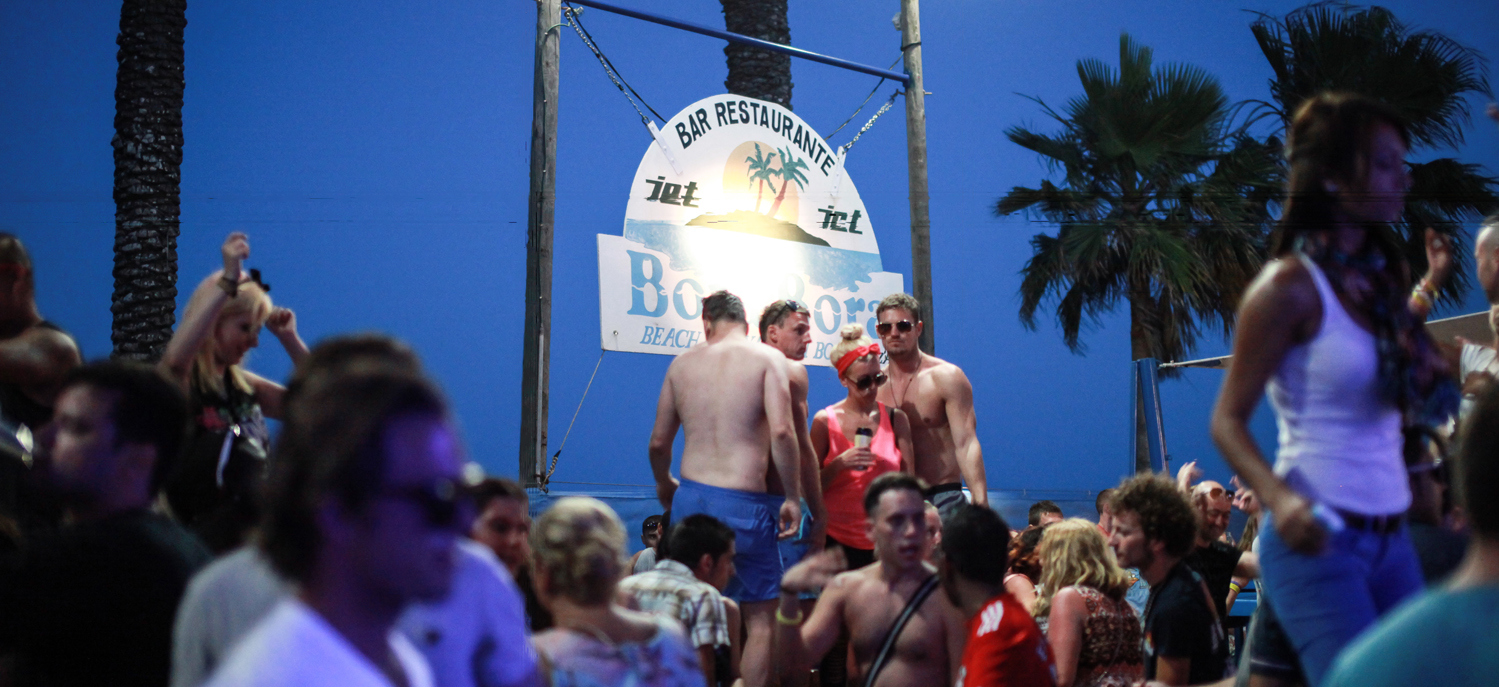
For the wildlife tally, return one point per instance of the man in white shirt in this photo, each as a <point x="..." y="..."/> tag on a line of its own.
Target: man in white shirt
<point x="363" y="516"/>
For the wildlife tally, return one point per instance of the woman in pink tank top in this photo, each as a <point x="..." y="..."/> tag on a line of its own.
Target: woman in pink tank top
<point x="849" y="464"/>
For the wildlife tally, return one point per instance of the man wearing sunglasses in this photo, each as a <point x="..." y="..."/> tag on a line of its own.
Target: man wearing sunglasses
<point x="938" y="399"/>
<point x="1216" y="560"/>
<point x="364" y="515"/>
<point x="732" y="398"/>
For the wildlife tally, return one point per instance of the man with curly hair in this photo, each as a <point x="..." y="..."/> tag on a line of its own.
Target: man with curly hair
<point x="1154" y="529"/>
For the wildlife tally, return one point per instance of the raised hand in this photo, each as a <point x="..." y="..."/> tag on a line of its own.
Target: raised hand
<point x="1438" y="258"/>
<point x="282" y="322"/>
<point x="236" y="250"/>
<point x="814" y="572"/>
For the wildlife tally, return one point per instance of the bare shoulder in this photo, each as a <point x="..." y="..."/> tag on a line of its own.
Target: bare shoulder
<point x="50" y="343"/>
<point x="947" y="376"/>
<point x="796" y="371"/>
<point x="1284" y="282"/>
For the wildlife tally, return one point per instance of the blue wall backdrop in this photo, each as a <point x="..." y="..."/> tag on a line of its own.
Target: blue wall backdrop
<point x="376" y="153"/>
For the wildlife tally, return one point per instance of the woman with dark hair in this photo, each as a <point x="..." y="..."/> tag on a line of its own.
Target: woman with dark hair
<point x="1025" y="566"/>
<point x="1334" y="330"/>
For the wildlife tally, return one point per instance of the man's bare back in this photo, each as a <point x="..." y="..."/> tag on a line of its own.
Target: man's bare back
<point x="719" y="393"/>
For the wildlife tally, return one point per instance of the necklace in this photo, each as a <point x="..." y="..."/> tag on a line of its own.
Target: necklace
<point x="900" y="395"/>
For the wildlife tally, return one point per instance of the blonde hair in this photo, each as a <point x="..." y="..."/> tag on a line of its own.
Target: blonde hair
<point x="853" y="336"/>
<point x="1073" y="551"/>
<point x="251" y="300"/>
<point x="579" y="546"/>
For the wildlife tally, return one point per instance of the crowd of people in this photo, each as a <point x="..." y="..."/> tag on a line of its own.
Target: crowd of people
<point x="153" y="532"/>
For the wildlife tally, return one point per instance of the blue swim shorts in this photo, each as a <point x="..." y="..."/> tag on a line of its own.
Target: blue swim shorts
<point x="757" y="560"/>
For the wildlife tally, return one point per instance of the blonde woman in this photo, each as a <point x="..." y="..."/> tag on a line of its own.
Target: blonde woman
<point x="578" y="555"/>
<point x="222" y="466"/>
<point x="859" y="439"/>
<point x="1093" y="632"/>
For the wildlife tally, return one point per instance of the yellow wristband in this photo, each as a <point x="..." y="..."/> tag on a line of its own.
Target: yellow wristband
<point x="1234" y="587"/>
<point x="782" y="619"/>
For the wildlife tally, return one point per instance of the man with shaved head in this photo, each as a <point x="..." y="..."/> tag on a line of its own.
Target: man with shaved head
<point x="1476" y="363"/>
<point x="1216" y="560"/>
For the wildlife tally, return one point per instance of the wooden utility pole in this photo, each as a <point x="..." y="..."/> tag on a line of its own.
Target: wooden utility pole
<point x="921" y="224"/>
<point x="541" y="206"/>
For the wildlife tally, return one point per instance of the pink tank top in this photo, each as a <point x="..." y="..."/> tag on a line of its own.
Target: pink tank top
<point x="844" y="496"/>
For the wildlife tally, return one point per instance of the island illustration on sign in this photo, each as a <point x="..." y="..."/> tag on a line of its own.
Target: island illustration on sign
<point x="738" y="194"/>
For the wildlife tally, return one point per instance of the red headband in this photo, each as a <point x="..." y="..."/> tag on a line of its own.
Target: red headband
<point x="849" y="357"/>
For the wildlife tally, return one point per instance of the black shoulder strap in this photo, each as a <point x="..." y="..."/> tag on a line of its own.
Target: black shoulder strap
<point x="887" y="647"/>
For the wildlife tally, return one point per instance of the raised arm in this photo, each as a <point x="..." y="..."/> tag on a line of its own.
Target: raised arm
<point x="203" y="309"/>
<point x="811" y="467"/>
<point x="964" y="426"/>
<point x="268" y="394"/>
<point x="785" y="452"/>
<point x="662" y="435"/>
<point x="802" y="642"/>
<point x="1280" y="309"/>
<point x="283" y="323"/>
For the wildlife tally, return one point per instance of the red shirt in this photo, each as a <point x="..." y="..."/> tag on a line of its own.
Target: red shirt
<point x="1005" y="648"/>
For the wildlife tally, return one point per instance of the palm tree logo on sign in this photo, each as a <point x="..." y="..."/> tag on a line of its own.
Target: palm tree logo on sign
<point x="738" y="194"/>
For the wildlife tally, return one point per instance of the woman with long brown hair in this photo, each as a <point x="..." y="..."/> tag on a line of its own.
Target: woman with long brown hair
<point x="1093" y="632"/>
<point x="1333" y="330"/>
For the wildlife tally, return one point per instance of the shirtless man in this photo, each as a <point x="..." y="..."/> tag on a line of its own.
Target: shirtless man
<point x="732" y="397"/>
<point x="937" y="397"/>
<point x="868" y="600"/>
<point x="785" y="326"/>
<point x="35" y="355"/>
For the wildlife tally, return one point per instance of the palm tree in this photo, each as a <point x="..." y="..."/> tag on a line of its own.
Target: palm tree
<point x="1161" y="205"/>
<point x="790" y="172"/>
<point x="148" y="159"/>
<point x="1423" y="75"/>
<point x="761" y="171"/>
<point x="754" y="72"/>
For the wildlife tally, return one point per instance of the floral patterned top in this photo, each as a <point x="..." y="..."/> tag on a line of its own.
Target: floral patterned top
<point x="577" y="659"/>
<point x="1112" y="654"/>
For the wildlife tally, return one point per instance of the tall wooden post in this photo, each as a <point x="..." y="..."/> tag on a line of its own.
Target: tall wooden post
<point x="543" y="197"/>
<point x="921" y="224"/>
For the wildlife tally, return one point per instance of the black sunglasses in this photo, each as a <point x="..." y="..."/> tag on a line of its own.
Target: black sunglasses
<point x="878" y="379"/>
<point x="904" y="326"/>
<point x="441" y="501"/>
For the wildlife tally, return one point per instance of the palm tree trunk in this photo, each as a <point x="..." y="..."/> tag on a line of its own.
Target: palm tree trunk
<point x="1139" y="347"/>
<point x="148" y="159"/>
<point x="754" y="72"/>
<point x="776" y="206"/>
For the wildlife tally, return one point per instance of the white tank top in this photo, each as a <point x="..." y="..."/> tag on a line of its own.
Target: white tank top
<point x="1340" y="441"/>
